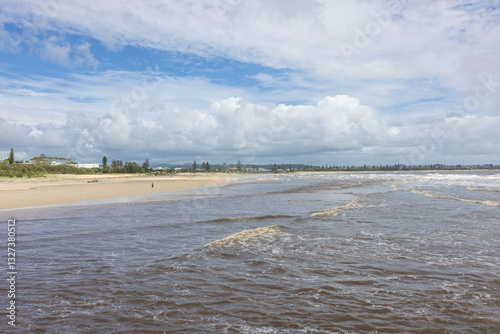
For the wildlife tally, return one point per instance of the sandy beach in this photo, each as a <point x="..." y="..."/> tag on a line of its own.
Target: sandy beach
<point x="63" y="188"/>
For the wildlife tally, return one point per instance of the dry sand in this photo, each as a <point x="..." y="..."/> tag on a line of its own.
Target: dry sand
<point x="58" y="189"/>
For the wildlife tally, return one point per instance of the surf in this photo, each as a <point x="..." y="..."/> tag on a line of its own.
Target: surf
<point x="247" y="237"/>
<point x="428" y="194"/>
<point x="336" y="210"/>
<point x="246" y="218"/>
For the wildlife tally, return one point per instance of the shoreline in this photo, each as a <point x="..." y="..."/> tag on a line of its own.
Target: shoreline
<point x="68" y="188"/>
<point x="63" y="189"/>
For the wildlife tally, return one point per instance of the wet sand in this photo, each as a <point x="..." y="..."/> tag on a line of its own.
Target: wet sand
<point x="59" y="189"/>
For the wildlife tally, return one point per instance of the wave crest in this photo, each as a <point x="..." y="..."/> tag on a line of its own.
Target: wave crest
<point x="492" y="203"/>
<point x="249" y="236"/>
<point x="483" y="189"/>
<point x="336" y="210"/>
<point x="228" y="219"/>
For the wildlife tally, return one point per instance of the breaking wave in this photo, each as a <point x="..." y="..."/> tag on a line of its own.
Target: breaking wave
<point x="249" y="236"/>
<point x="229" y="219"/>
<point x="482" y="189"/>
<point x="492" y="203"/>
<point x="336" y="210"/>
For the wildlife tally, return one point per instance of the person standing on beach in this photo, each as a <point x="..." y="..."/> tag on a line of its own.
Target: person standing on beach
<point x="152" y="185"/>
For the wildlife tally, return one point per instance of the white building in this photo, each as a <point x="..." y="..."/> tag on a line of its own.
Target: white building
<point x="88" y="166"/>
<point x="55" y="162"/>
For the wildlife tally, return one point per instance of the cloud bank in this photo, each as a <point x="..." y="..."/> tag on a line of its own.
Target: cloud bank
<point x="150" y="121"/>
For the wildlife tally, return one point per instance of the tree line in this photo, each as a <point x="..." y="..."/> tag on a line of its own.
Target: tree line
<point x="117" y="166"/>
<point x="39" y="166"/>
<point x="42" y="165"/>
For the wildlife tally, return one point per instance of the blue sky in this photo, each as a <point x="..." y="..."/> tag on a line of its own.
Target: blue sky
<point x="306" y="81"/>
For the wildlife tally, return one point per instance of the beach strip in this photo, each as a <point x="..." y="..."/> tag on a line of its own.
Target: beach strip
<point x="61" y="189"/>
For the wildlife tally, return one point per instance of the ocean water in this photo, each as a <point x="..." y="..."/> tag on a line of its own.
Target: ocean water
<point x="284" y="253"/>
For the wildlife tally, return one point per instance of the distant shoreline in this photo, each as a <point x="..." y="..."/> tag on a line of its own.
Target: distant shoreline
<point x="17" y="193"/>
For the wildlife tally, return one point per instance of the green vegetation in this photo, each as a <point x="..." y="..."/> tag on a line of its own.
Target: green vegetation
<point x="11" y="157"/>
<point x="145" y="165"/>
<point x="44" y="160"/>
<point x="205" y="166"/>
<point x="289" y="168"/>
<point x="42" y="165"/>
<point x="39" y="169"/>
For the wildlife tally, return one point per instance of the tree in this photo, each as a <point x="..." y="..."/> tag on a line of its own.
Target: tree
<point x="104" y="161"/>
<point x="145" y="165"/>
<point x="195" y="166"/>
<point x="203" y="166"/>
<point x="132" y="167"/>
<point x="238" y="165"/>
<point x="207" y="166"/>
<point x="116" y="163"/>
<point x="11" y="157"/>
<point x="42" y="159"/>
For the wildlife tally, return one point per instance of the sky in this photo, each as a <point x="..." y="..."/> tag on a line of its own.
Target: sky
<point x="271" y="81"/>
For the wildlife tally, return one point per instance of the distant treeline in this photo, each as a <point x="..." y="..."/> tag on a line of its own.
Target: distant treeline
<point x="117" y="166"/>
<point x="34" y="170"/>
<point x="395" y="167"/>
<point x="42" y="165"/>
<point x="279" y="168"/>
